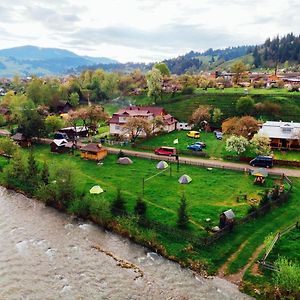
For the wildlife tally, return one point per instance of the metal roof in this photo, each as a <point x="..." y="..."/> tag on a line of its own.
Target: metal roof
<point x="281" y="130"/>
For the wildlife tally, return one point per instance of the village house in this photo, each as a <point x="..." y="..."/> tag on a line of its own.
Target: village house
<point x="21" y="140"/>
<point x="93" y="151"/>
<point x="75" y="133"/>
<point x="61" y="146"/>
<point x="119" y="119"/>
<point x="283" y="135"/>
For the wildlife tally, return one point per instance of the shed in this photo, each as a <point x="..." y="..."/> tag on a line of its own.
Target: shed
<point x="61" y="146"/>
<point x="21" y="140"/>
<point x="226" y="218"/>
<point x="124" y="161"/>
<point x="80" y="131"/>
<point x="93" y="151"/>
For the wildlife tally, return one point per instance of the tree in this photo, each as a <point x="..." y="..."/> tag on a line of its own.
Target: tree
<point x="32" y="173"/>
<point x="7" y="146"/>
<point x="236" y="144"/>
<point x="135" y="126"/>
<point x="245" y="126"/>
<point x="157" y="124"/>
<point x="217" y="115"/>
<point x="95" y="115"/>
<point x="200" y="115"/>
<point x="245" y="105"/>
<point x="140" y="207"/>
<point x="74" y="99"/>
<point x="45" y="173"/>
<point x="154" y="84"/>
<point x="238" y="68"/>
<point x="53" y="124"/>
<point x="261" y="144"/>
<point x="163" y="68"/>
<point x="183" y="218"/>
<point x="118" y="205"/>
<point x="287" y="277"/>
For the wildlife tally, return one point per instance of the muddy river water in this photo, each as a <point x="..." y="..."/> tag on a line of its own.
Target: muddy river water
<point x="45" y="254"/>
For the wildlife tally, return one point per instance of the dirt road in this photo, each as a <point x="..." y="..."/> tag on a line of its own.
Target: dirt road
<point x="206" y="162"/>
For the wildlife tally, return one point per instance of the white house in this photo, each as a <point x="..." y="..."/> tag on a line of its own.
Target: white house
<point x="119" y="119"/>
<point x="283" y="135"/>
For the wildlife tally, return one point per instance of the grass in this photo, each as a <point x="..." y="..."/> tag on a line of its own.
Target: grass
<point x="210" y="193"/>
<point x="182" y="106"/>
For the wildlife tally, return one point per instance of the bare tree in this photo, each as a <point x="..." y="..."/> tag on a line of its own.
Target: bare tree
<point x="136" y="126"/>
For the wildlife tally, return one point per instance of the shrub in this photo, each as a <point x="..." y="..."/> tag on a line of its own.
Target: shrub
<point x="140" y="207"/>
<point x="189" y="90"/>
<point x="118" y="205"/>
<point x="183" y="218"/>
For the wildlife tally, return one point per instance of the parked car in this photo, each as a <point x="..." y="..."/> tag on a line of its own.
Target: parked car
<point x="262" y="161"/>
<point x="193" y="134"/>
<point x="61" y="136"/>
<point x="168" y="151"/>
<point x="218" y="134"/>
<point x="202" y="144"/>
<point x="195" y="147"/>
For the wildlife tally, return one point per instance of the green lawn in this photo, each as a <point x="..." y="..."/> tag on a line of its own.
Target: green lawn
<point x="287" y="155"/>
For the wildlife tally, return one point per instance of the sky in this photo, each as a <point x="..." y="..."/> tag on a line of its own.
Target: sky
<point x="144" y="30"/>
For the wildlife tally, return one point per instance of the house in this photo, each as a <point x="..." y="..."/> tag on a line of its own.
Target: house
<point x="119" y="119"/>
<point x="283" y="135"/>
<point x="61" y="146"/>
<point x="93" y="151"/>
<point x="74" y="133"/>
<point x="273" y="80"/>
<point x="226" y="218"/>
<point x="21" y="140"/>
<point x="64" y="107"/>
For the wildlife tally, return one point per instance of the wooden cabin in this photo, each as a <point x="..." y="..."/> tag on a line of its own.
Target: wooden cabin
<point x="93" y="151"/>
<point x="21" y="140"/>
<point x="61" y="146"/>
<point x="226" y="218"/>
<point x="73" y="133"/>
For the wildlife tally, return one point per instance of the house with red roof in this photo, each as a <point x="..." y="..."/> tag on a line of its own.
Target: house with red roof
<point x="120" y="118"/>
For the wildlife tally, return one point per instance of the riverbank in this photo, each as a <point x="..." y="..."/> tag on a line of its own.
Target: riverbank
<point x="42" y="263"/>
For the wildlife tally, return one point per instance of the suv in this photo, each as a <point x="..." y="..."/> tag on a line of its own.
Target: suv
<point x="218" y="134"/>
<point x="193" y="134"/>
<point x="262" y="161"/>
<point x="195" y="147"/>
<point x="168" y="151"/>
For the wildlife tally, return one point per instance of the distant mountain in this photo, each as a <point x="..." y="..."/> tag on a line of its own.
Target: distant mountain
<point x="28" y="60"/>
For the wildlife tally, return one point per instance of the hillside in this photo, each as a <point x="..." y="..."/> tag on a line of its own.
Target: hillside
<point x="27" y="60"/>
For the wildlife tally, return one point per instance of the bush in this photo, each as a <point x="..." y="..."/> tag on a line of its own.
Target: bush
<point x="140" y="207"/>
<point x="189" y="90"/>
<point x="183" y="218"/>
<point x="288" y="276"/>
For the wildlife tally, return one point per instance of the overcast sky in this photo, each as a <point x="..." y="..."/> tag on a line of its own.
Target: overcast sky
<point x="144" y="30"/>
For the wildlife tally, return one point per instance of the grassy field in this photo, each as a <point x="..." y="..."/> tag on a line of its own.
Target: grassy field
<point x="182" y="106"/>
<point x="210" y="193"/>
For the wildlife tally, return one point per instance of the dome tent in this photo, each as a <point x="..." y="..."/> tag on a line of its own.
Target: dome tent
<point x="125" y="161"/>
<point x="162" y="165"/>
<point x="184" y="179"/>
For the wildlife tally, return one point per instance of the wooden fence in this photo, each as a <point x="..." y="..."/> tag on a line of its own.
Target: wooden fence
<point x="263" y="262"/>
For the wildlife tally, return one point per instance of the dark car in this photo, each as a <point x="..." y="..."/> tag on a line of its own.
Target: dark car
<point x="61" y="136"/>
<point x="202" y="144"/>
<point x="262" y="161"/>
<point x="218" y="134"/>
<point x="168" y="151"/>
<point x="195" y="147"/>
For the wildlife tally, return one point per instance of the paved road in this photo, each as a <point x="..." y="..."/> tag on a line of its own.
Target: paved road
<point x="206" y="162"/>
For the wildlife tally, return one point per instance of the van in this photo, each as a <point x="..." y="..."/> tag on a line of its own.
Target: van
<point x="262" y="161"/>
<point x="193" y="134"/>
<point x="168" y="151"/>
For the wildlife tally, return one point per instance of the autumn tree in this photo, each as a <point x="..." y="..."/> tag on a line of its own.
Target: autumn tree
<point x="200" y="116"/>
<point x="135" y="126"/>
<point x="154" y="84"/>
<point x="217" y="115"/>
<point x="238" y="68"/>
<point x="236" y="144"/>
<point x="245" y="126"/>
<point x="96" y="115"/>
<point x="157" y="124"/>
<point x="261" y="144"/>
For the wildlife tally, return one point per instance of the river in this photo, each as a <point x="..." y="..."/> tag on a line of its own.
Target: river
<point x="45" y="254"/>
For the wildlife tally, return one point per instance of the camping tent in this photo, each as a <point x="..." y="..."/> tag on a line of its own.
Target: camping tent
<point x="162" y="165"/>
<point x="96" y="189"/>
<point x="124" y="161"/>
<point x="261" y="172"/>
<point x="184" y="179"/>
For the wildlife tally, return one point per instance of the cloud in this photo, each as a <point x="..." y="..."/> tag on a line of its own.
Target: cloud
<point x="166" y="37"/>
